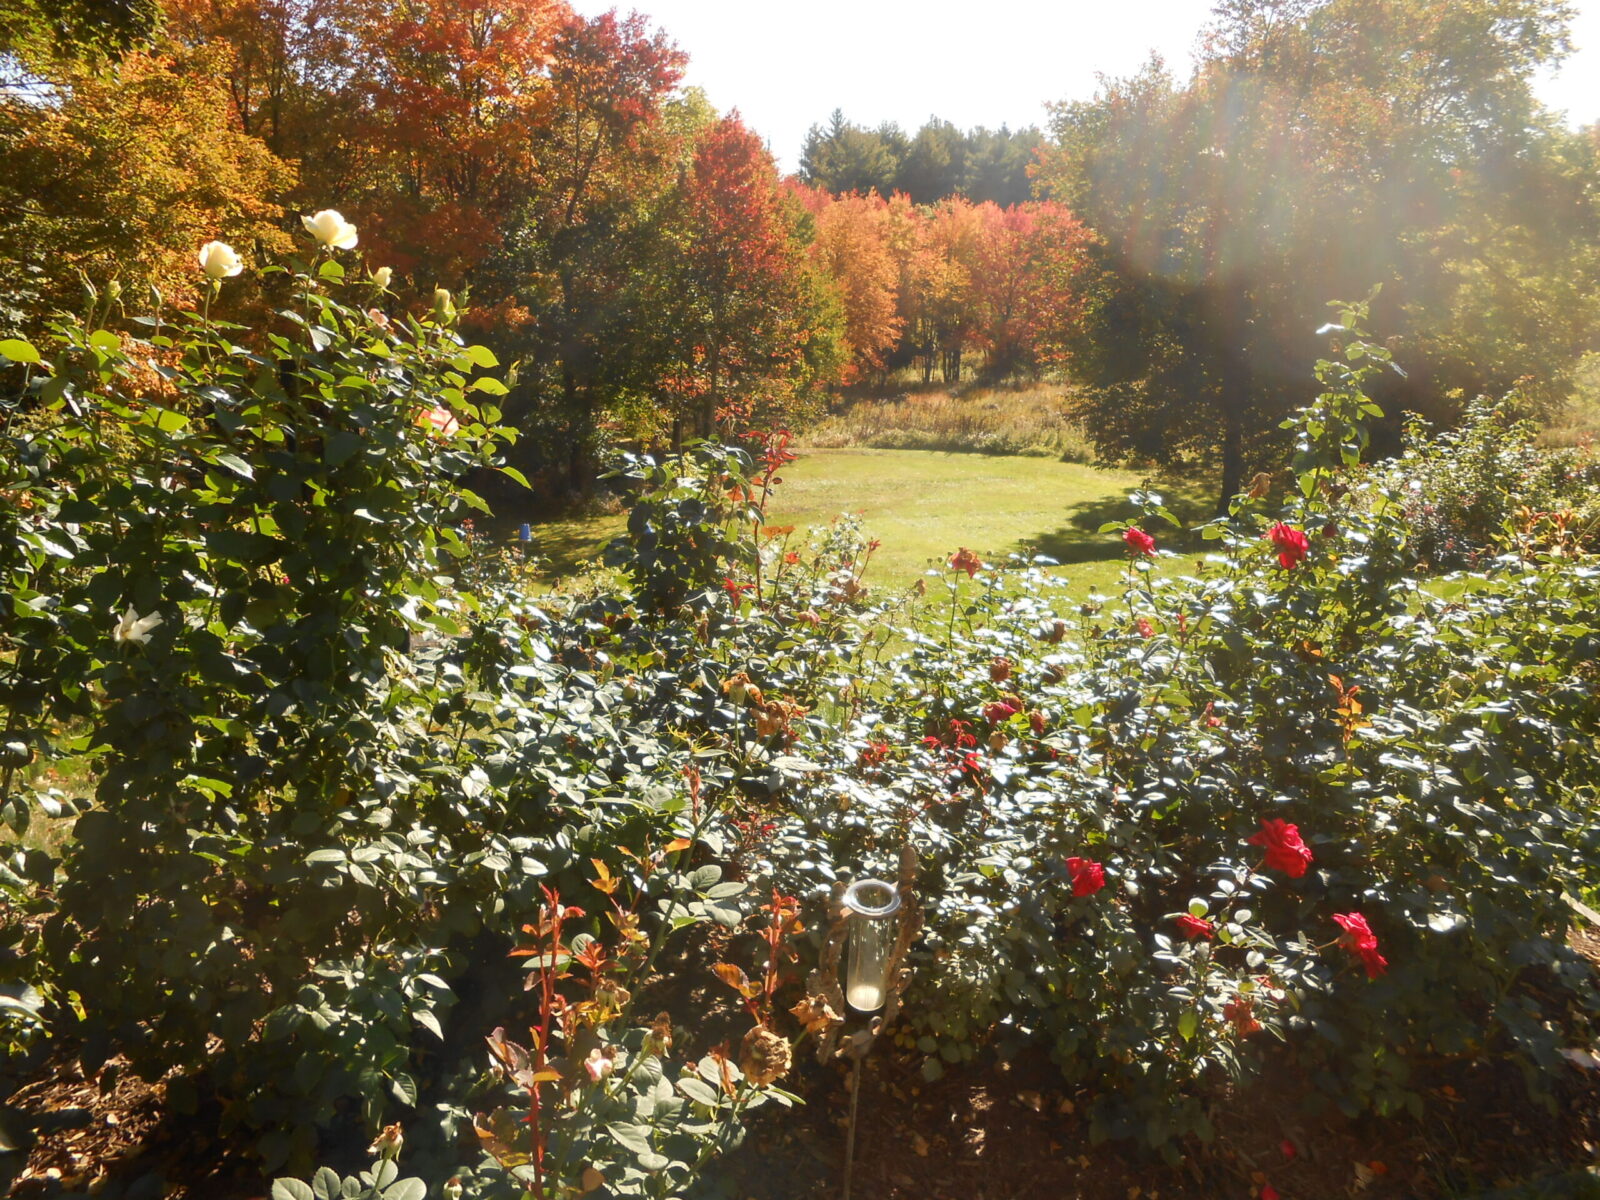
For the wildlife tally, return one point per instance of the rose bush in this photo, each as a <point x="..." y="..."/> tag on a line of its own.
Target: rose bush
<point x="344" y="765"/>
<point x="1288" y="794"/>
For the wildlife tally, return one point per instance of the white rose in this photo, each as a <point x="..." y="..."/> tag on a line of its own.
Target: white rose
<point x="132" y="627"/>
<point x="218" y="260"/>
<point x="382" y="276"/>
<point x="331" y="229"/>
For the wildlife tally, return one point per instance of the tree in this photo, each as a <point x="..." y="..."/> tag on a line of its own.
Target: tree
<point x="36" y="33"/>
<point x="849" y="158"/>
<point x="126" y="177"/>
<point x="997" y="165"/>
<point x="1025" y="283"/>
<point x="591" y="239"/>
<point x="851" y="248"/>
<point x="744" y="315"/>
<point x="1307" y="159"/>
<point x="451" y="92"/>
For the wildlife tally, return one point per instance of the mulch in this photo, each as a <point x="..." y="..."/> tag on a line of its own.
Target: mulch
<point x="988" y="1131"/>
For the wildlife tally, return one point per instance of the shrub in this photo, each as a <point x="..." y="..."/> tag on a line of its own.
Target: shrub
<point x="337" y="756"/>
<point x="1294" y="794"/>
<point x="1109" y="799"/>
<point x="1487" y="485"/>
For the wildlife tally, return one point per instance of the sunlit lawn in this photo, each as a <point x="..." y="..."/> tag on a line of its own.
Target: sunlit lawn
<point x="922" y="505"/>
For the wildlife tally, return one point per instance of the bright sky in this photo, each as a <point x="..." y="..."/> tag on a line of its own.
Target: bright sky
<point x="785" y="67"/>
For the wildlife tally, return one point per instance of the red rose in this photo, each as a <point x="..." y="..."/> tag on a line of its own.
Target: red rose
<point x="1036" y="722"/>
<point x="1195" y="927"/>
<point x="1285" y="851"/>
<point x="1146" y="630"/>
<point x="997" y="713"/>
<point x="1290" y="543"/>
<point x="1239" y="1013"/>
<point x="965" y="560"/>
<point x="1359" y="939"/>
<point x="1088" y="876"/>
<point x="1268" y="1192"/>
<point x="1138" y="540"/>
<point x="1000" y="670"/>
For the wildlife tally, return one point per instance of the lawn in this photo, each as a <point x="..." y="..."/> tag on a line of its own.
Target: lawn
<point x="924" y="504"/>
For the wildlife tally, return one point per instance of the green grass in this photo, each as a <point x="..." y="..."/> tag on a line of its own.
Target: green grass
<point x="922" y="505"/>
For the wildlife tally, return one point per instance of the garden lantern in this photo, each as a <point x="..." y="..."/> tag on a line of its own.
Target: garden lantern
<point x="871" y="906"/>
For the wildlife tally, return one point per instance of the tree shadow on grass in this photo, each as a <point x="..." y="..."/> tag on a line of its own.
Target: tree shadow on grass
<point x="1079" y="539"/>
<point x="569" y="548"/>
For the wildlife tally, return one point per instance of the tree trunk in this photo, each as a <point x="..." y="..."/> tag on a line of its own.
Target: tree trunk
<point x="1232" y="456"/>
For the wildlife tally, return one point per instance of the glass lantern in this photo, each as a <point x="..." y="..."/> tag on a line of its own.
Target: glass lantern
<point x="871" y="905"/>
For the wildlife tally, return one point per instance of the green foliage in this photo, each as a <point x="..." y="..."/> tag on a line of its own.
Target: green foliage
<point x="938" y="162"/>
<point x="683" y="542"/>
<point x="1434" y="750"/>
<point x="1421" y="163"/>
<point x="1487" y="486"/>
<point x="382" y="1182"/>
<point x="345" y="771"/>
<point x="214" y="553"/>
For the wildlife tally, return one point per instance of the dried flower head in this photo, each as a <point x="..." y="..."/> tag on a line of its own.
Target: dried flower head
<point x="764" y="1057"/>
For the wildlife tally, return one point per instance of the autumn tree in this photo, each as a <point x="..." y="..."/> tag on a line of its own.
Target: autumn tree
<point x="1025" y="283"/>
<point x="294" y="72"/>
<point x="452" y="92"/>
<point x="851" y="248"/>
<point x="125" y="177"/>
<point x="745" y="317"/>
<point x="592" y="237"/>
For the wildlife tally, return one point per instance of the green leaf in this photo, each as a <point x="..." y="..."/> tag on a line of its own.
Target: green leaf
<point x="406" y="1189"/>
<point x="342" y="447"/>
<point x="326" y="1184"/>
<point x="698" y="1090"/>
<point x="331" y="269"/>
<point x="479" y="356"/>
<point x="105" y="341"/>
<point x="489" y="385"/>
<point x="235" y="464"/>
<point x="632" y="1137"/>
<point x="292" y="1189"/>
<point x="19" y="351"/>
<point x="404" y="1088"/>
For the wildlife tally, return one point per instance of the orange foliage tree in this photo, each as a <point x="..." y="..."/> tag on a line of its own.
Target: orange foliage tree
<point x="746" y="318"/>
<point x="852" y="248"/>
<point x="126" y="177"/>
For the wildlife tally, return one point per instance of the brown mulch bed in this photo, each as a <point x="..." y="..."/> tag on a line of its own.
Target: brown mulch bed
<point x="987" y="1132"/>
